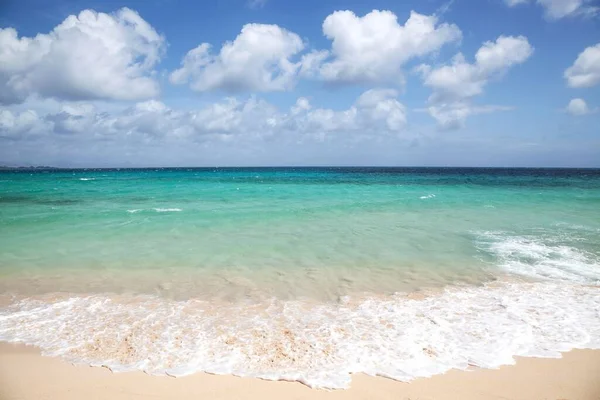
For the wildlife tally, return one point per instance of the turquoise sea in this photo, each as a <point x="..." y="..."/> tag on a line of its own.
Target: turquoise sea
<point x="305" y="274"/>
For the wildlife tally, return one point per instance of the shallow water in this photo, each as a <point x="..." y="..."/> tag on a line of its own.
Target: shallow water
<point x="313" y="250"/>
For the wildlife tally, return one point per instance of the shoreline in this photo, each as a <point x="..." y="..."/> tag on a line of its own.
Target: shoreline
<point x="401" y="338"/>
<point x="25" y="374"/>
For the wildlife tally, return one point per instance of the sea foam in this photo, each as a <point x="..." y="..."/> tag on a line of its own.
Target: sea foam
<point x="319" y="344"/>
<point x="541" y="257"/>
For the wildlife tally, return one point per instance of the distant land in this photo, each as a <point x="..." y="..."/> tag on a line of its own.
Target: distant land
<point x="6" y="167"/>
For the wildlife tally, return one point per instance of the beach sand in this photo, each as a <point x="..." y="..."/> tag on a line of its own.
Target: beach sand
<point x="26" y="375"/>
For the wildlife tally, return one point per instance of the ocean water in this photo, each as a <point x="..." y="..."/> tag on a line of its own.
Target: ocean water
<point x="307" y="274"/>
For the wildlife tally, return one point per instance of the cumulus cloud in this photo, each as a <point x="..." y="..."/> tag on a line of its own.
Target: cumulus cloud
<point x="259" y="59"/>
<point x="88" y="56"/>
<point x="461" y="80"/>
<point x="148" y="120"/>
<point x="578" y="107"/>
<point x="374" y="47"/>
<point x="375" y="112"/>
<point x="264" y="58"/>
<point x="20" y="124"/>
<point x="585" y="72"/>
<point x="73" y="118"/>
<point x="557" y="9"/>
<point x="153" y="119"/>
<point x="455" y="84"/>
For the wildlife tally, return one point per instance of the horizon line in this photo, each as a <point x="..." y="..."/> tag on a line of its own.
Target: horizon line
<point x="46" y="167"/>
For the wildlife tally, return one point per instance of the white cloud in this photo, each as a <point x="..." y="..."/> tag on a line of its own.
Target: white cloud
<point x="379" y="106"/>
<point x="512" y="3"/>
<point x="585" y="72"/>
<point x="371" y="48"/>
<point x="374" y="47"/>
<point x="253" y="117"/>
<point x="302" y="104"/>
<point x="453" y="85"/>
<point x="452" y="116"/>
<point x="461" y="80"/>
<point x="258" y="59"/>
<point x="311" y="63"/>
<point x="375" y="112"/>
<point x="73" y="118"/>
<point x="20" y="124"/>
<point x="88" y="56"/>
<point x="557" y="9"/>
<point x="155" y="120"/>
<point x="578" y="107"/>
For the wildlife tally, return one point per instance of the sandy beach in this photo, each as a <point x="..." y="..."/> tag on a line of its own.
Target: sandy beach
<point x="26" y="375"/>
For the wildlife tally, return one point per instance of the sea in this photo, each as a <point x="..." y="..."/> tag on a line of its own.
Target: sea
<point x="300" y="274"/>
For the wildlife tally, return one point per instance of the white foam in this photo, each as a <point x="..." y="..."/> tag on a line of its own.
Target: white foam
<point x="319" y="344"/>
<point x="134" y="211"/>
<point x="541" y="258"/>
<point x="87" y="179"/>
<point x="429" y="196"/>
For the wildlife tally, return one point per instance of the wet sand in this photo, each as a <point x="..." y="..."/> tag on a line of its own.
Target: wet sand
<point x="26" y="375"/>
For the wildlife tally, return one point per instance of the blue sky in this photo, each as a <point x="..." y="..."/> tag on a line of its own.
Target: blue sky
<point x="273" y="82"/>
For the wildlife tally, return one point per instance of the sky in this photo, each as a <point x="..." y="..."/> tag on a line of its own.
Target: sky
<point x="148" y="83"/>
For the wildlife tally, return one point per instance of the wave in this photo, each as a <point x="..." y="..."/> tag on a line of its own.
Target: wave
<point x="541" y="257"/>
<point x="87" y="179"/>
<point x="133" y="211"/>
<point x="318" y="344"/>
<point x="429" y="196"/>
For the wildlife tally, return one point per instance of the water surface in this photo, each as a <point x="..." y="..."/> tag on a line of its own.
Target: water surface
<point x="322" y="253"/>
